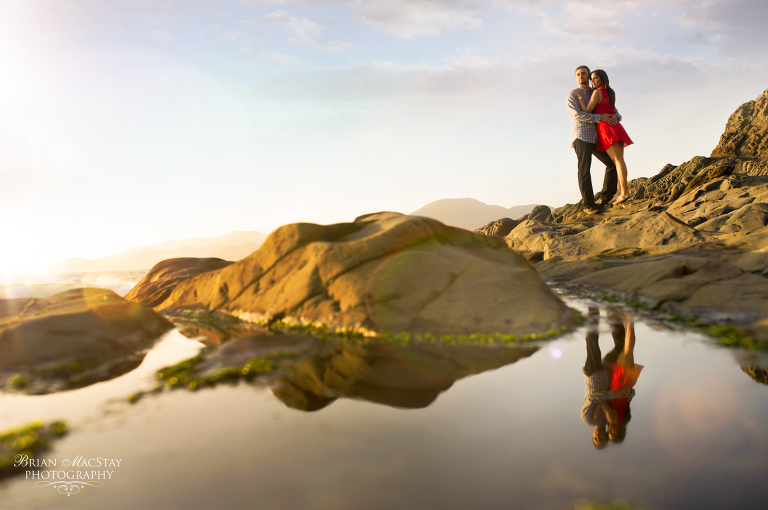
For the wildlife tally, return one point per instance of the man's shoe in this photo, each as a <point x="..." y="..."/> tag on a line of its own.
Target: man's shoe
<point x="592" y="210"/>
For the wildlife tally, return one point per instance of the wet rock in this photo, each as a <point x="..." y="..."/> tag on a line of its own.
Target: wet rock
<point x="158" y="283"/>
<point x="714" y="290"/>
<point x="499" y="227"/>
<point x="74" y="326"/>
<point x="746" y="133"/>
<point x="384" y="272"/>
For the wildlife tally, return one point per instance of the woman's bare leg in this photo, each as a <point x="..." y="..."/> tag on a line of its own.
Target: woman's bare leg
<point x="627" y="357"/>
<point x="616" y="153"/>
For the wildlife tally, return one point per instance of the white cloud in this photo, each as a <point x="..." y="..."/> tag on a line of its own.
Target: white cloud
<point x="248" y="46"/>
<point x="739" y="26"/>
<point x="465" y="58"/>
<point x="305" y="32"/>
<point x="633" y="72"/>
<point x="404" y="18"/>
<point x="415" y="18"/>
<point x="585" y="21"/>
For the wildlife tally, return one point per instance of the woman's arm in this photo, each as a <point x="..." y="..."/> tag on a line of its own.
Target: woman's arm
<point x="597" y="96"/>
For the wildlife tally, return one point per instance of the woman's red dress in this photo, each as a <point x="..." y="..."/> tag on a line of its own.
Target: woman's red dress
<point x="607" y="134"/>
<point x="622" y="376"/>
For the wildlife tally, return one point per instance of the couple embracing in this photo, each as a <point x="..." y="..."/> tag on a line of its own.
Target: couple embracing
<point x="597" y="131"/>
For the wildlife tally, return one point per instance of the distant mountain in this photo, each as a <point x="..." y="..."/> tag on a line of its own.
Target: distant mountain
<point x="233" y="246"/>
<point x="469" y="213"/>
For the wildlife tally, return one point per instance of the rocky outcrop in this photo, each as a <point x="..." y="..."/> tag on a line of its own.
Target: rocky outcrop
<point x="498" y="228"/>
<point x="746" y="134"/>
<point x="73" y="332"/>
<point x="384" y="272"/>
<point x="694" y="237"/>
<point x="157" y="285"/>
<point x="639" y="231"/>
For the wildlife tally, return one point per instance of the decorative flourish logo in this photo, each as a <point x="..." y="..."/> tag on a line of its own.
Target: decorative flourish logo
<point x="68" y="488"/>
<point x="81" y="472"/>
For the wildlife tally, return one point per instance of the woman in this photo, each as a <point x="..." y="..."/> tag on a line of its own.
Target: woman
<point x="624" y="373"/>
<point x="611" y="139"/>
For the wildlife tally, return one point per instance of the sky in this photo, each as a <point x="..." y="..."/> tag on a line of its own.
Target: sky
<point x="133" y="122"/>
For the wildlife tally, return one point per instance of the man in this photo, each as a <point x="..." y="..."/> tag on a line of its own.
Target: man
<point x="584" y="143"/>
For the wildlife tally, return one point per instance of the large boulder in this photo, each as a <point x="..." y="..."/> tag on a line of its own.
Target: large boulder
<point x="164" y="276"/>
<point x="79" y="325"/>
<point x="746" y="133"/>
<point x="384" y="272"/>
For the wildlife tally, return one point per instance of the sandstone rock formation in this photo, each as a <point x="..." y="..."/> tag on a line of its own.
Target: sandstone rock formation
<point x="77" y="329"/>
<point x="383" y="272"/>
<point x="746" y="134"/>
<point x="157" y="285"/>
<point x="499" y="228"/>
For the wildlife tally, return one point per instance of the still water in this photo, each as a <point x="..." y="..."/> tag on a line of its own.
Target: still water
<point x="419" y="426"/>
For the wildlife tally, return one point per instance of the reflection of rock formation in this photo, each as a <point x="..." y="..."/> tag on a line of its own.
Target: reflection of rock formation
<point x="400" y="376"/>
<point x="215" y="333"/>
<point x="756" y="373"/>
<point x="308" y="374"/>
<point x="73" y="339"/>
<point x="384" y="272"/>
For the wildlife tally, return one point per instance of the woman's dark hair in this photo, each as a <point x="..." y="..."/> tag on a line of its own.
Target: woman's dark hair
<point x="604" y="79"/>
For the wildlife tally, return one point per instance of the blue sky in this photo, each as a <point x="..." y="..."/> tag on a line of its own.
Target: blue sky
<point x="131" y="122"/>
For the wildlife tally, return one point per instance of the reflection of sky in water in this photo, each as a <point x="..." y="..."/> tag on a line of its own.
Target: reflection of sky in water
<point x="506" y="438"/>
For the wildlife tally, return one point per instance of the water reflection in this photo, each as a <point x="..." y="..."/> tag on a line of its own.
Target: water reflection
<point x="308" y="374"/>
<point x="609" y="381"/>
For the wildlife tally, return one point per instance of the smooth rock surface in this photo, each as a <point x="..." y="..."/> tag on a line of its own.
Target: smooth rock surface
<point x="164" y="276"/>
<point x="639" y="231"/>
<point x="383" y="272"/>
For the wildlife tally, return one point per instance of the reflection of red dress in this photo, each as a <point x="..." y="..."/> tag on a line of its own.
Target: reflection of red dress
<point x="607" y="134"/>
<point x="622" y="376"/>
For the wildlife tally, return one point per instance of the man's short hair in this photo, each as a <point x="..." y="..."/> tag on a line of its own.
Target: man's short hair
<point x="583" y="67"/>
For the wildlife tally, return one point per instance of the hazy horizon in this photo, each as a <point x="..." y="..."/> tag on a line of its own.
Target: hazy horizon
<point x="130" y="123"/>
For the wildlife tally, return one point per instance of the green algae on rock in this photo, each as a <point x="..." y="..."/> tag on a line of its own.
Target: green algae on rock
<point x="73" y="339"/>
<point x="28" y="441"/>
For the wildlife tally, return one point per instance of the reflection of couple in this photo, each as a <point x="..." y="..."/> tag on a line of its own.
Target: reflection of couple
<point x="596" y="131"/>
<point x="608" y="382"/>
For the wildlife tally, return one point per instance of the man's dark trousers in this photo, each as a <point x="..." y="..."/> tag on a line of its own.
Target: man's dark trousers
<point x="584" y="151"/>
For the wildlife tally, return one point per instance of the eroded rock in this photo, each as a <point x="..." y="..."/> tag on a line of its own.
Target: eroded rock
<point x="746" y="133"/>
